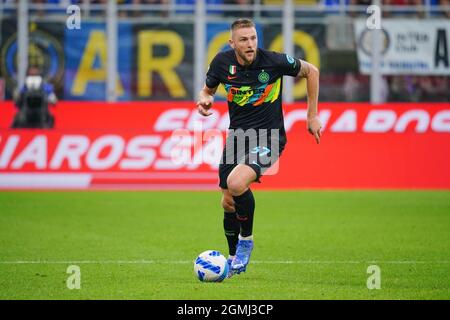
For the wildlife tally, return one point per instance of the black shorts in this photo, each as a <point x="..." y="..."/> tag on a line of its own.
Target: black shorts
<point x="259" y="153"/>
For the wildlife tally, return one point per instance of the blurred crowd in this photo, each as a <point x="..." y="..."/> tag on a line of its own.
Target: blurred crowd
<point x="330" y="7"/>
<point x="399" y="88"/>
<point x="349" y="86"/>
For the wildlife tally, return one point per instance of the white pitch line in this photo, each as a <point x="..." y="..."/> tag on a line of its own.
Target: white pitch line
<point x="96" y="262"/>
<point x="187" y="262"/>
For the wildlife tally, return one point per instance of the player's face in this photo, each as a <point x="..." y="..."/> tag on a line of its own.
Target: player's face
<point x="244" y="41"/>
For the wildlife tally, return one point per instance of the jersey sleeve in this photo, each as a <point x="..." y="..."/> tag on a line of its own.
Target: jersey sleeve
<point x="212" y="76"/>
<point x="287" y="65"/>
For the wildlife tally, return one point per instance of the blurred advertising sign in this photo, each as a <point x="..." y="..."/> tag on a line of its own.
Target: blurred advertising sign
<point x="155" y="61"/>
<point x="45" y="51"/>
<point x="417" y="47"/>
<point x="86" y="62"/>
<point x="169" y="145"/>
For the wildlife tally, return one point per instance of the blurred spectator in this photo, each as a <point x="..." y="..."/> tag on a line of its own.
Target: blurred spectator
<point x="446" y="14"/>
<point x="52" y="6"/>
<point x="419" y="88"/>
<point x="137" y="12"/>
<point x="192" y="3"/>
<point x="351" y="87"/>
<point x="8" y="10"/>
<point x="296" y="3"/>
<point x="357" y="88"/>
<point x="412" y="88"/>
<point x="418" y="13"/>
<point x="334" y="3"/>
<point x="442" y="83"/>
<point x="33" y="100"/>
<point x="64" y="3"/>
<point x="40" y="11"/>
<point x="384" y="92"/>
<point x="361" y="11"/>
<point x="434" y="88"/>
<point x="427" y="88"/>
<point x="245" y="13"/>
<point x="98" y="12"/>
<point x="397" y="89"/>
<point x="9" y="1"/>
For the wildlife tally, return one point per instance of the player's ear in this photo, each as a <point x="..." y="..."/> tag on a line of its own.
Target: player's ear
<point x="231" y="43"/>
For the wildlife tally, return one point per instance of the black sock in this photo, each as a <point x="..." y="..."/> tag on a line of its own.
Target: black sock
<point x="245" y="208"/>
<point x="231" y="226"/>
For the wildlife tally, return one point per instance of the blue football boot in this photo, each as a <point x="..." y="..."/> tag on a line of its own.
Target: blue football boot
<point x="230" y="272"/>
<point x="242" y="258"/>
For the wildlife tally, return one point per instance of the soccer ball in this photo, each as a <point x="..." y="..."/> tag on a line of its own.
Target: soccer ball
<point x="211" y="266"/>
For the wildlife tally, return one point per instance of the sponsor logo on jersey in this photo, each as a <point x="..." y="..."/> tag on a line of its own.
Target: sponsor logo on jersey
<point x="255" y="96"/>
<point x="290" y="59"/>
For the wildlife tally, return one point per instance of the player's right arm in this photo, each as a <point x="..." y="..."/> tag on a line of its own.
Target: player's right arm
<point x="212" y="82"/>
<point x="206" y="100"/>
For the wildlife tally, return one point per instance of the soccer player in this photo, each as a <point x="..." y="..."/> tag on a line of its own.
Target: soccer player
<point x="253" y="80"/>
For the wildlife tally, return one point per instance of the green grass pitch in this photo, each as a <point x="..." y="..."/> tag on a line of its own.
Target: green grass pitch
<point x="308" y="245"/>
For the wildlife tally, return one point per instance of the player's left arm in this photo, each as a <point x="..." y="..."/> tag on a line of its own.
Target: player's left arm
<point x="311" y="73"/>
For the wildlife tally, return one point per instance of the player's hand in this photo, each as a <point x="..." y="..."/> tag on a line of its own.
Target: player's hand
<point x="314" y="127"/>
<point x="204" y="104"/>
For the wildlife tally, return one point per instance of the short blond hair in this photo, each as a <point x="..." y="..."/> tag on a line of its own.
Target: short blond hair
<point x="242" y="23"/>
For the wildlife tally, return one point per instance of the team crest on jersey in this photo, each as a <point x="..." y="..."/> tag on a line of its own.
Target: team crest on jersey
<point x="263" y="77"/>
<point x="232" y="69"/>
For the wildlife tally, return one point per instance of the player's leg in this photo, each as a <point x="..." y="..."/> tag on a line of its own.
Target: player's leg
<point x="231" y="225"/>
<point x="238" y="183"/>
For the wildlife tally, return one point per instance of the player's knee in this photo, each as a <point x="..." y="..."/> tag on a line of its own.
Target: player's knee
<point x="228" y="205"/>
<point x="236" y="186"/>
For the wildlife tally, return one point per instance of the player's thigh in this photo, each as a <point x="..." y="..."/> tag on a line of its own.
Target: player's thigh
<point x="240" y="179"/>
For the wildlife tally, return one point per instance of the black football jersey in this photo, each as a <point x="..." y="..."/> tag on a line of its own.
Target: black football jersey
<point x="254" y="91"/>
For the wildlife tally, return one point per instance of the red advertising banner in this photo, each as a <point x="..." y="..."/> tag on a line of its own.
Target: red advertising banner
<point x="168" y="145"/>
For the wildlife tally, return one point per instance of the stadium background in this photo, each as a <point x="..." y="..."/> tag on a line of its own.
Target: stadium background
<point x="157" y="60"/>
<point x="384" y="128"/>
